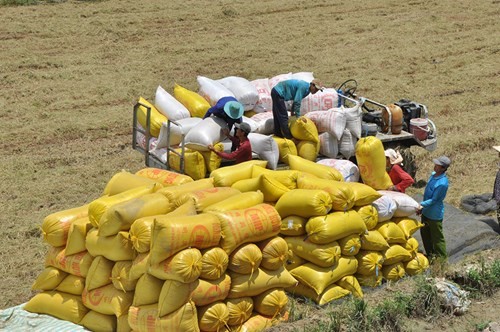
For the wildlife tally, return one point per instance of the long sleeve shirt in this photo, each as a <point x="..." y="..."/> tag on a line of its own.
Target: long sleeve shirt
<point x="218" y="111"/>
<point x="400" y="178"/>
<point x="242" y="153"/>
<point x="434" y="194"/>
<point x="295" y="90"/>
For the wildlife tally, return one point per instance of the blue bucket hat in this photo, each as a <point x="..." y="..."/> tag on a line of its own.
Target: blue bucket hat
<point x="234" y="109"/>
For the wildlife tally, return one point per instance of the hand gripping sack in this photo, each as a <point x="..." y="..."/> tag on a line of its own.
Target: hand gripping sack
<point x="169" y="106"/>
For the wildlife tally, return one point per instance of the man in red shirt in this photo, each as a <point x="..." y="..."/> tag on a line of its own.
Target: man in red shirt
<point x="242" y="147"/>
<point x="400" y="179"/>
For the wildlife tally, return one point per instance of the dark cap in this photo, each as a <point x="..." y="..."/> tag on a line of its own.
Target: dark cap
<point x="245" y="127"/>
<point x="442" y="161"/>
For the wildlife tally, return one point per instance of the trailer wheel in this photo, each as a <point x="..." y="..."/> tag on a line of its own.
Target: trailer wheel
<point x="409" y="163"/>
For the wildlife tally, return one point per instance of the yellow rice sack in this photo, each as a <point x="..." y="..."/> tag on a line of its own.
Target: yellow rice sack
<point x="72" y="285"/>
<point x="304" y="203"/>
<point x="371" y="163"/>
<point x="99" y="206"/>
<point x="156" y="118"/>
<point x="293" y="225"/>
<point x="237" y="202"/>
<point x="272" y="189"/>
<point x="99" y="274"/>
<point x="286" y="148"/>
<point x="247" y="225"/>
<point x="412" y="246"/>
<point x="164" y="177"/>
<point x="244" y="285"/>
<point x="288" y="178"/>
<point x="213" y="317"/>
<point x="351" y="284"/>
<point x="139" y="265"/>
<point x="184" y="266"/>
<point x="369" y="262"/>
<point x="318" y="170"/>
<point x="370" y="281"/>
<point x="212" y="160"/>
<point x="206" y="197"/>
<point x="120" y="217"/>
<point x="369" y="214"/>
<point x="391" y="232"/>
<point x="95" y="321"/>
<point x="108" y="300"/>
<point x="334" y="226"/>
<point x="364" y="194"/>
<point x="246" y="185"/>
<point x="77" y="264"/>
<point x="340" y="192"/>
<point x="214" y="262"/>
<point x="350" y="245"/>
<point x="173" y="234"/>
<point x="76" y="236"/>
<point x="294" y="260"/>
<point x="60" y="305"/>
<point x="55" y="226"/>
<point x="304" y="129"/>
<point x="145" y="318"/>
<point x="274" y="253"/>
<point x="258" y="323"/>
<point x="245" y="259"/>
<point x="174" y="295"/>
<point x="271" y="302"/>
<point x="323" y="255"/>
<point x="122" y="324"/>
<point x="373" y="240"/>
<point x="226" y="176"/>
<point x="116" y="248"/>
<point x="175" y="191"/>
<point x="147" y="290"/>
<point x="194" y="164"/>
<point x="408" y="225"/>
<point x="394" y="271"/>
<point x="395" y="254"/>
<point x="210" y="291"/>
<point x="331" y="293"/>
<point x="308" y="150"/>
<point x="120" y="276"/>
<point x="49" y="279"/>
<point x="124" y="181"/>
<point x="195" y="103"/>
<point x="240" y="310"/>
<point x="319" y="278"/>
<point x="417" y="265"/>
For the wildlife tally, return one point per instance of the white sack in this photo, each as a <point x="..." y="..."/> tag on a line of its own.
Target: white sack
<point x="278" y="78"/>
<point x="244" y="91"/>
<point x="265" y="102"/>
<point x="406" y="205"/>
<point x="176" y="131"/>
<point x="347" y="144"/>
<point x="265" y="123"/>
<point x="212" y="90"/>
<point x="208" y="131"/>
<point x="349" y="170"/>
<point x="266" y="148"/>
<point x="386" y="207"/>
<point x="304" y="76"/>
<point x="332" y="121"/>
<point x="252" y="123"/>
<point x="328" y="145"/>
<point x="320" y="101"/>
<point x="169" y="106"/>
<point x="353" y="120"/>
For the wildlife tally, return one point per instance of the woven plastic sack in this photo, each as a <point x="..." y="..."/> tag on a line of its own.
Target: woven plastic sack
<point x="171" y="134"/>
<point x="184" y="266"/>
<point x="212" y="90"/>
<point x="226" y="176"/>
<point x="341" y="193"/>
<point x="334" y="226"/>
<point x="350" y="245"/>
<point x="195" y="104"/>
<point x="116" y="247"/>
<point x="369" y="214"/>
<point x="328" y="145"/>
<point x="245" y="259"/>
<point x="49" y="279"/>
<point x="293" y="225"/>
<point x="271" y="302"/>
<point x="386" y="207"/>
<point x="194" y="163"/>
<point x="76" y="236"/>
<point x="108" y="300"/>
<point x="353" y="120"/>
<point x="286" y="148"/>
<point x="244" y="91"/>
<point x="213" y="317"/>
<point x="371" y="162"/>
<point x="412" y="246"/>
<point x="363" y="194"/>
<point x="214" y="262"/>
<point x="406" y="205"/>
<point x="77" y="264"/>
<point x="294" y="261"/>
<point x="210" y="291"/>
<point x="208" y="131"/>
<point x="63" y="306"/>
<point x="347" y="144"/>
<point x="274" y="253"/>
<point x="240" y="309"/>
<point x="164" y="177"/>
<point x="265" y="102"/>
<point x="120" y="276"/>
<point x="351" y="284"/>
<point x="212" y="160"/>
<point x="304" y="129"/>
<point x="262" y="280"/>
<point x="391" y="232"/>
<point x="279" y="78"/>
<point x="369" y="262"/>
<point x="123" y="181"/>
<point x="373" y="240"/>
<point x="184" y="319"/>
<point x="369" y="281"/>
<point x="308" y="150"/>
<point x="139" y="265"/>
<point x="394" y="271"/>
<point x="99" y="273"/>
<point x="156" y="118"/>
<point x="395" y="254"/>
<point x="304" y="203"/>
<point x="265" y="123"/>
<point x="169" y="106"/>
<point x="55" y="226"/>
<point x="147" y="290"/>
<point x="318" y="170"/>
<point x="205" y="197"/>
<point x="408" y="225"/>
<point x="288" y="178"/>
<point x="417" y="265"/>
<point x="347" y="168"/>
<point x="95" y="321"/>
<point x="72" y="284"/>
<point x="332" y="121"/>
<point x="174" y="295"/>
<point x="174" y="192"/>
<point x="258" y="323"/>
<point x="237" y="202"/>
<point x="331" y="293"/>
<point x="323" y="255"/>
<point x="266" y="149"/>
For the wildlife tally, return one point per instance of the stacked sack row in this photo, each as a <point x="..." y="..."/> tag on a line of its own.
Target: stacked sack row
<point x="337" y="128"/>
<point x="161" y="252"/>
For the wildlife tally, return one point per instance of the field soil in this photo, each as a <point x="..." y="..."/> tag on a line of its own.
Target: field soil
<point x="71" y="72"/>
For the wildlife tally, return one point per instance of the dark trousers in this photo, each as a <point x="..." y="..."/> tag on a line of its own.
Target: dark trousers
<point x="280" y="116"/>
<point x="433" y="238"/>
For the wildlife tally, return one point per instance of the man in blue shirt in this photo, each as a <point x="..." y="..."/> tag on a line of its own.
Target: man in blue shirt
<point x="294" y="90"/>
<point x="432" y="210"/>
<point x="228" y="109"/>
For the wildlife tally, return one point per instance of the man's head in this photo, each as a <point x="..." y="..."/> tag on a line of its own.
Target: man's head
<point x="441" y="164"/>
<point x="315" y="86"/>
<point x="244" y="127"/>
<point x="234" y="109"/>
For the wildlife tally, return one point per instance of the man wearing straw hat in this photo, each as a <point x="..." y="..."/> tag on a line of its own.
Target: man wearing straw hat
<point x="496" y="186"/>
<point x="228" y="109"/>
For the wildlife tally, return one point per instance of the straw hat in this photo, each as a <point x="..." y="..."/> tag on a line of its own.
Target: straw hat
<point x="394" y="156"/>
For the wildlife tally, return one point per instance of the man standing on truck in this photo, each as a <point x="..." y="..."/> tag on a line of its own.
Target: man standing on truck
<point x="228" y="109"/>
<point x="242" y="147"/>
<point x="432" y="210"/>
<point x="294" y="90"/>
